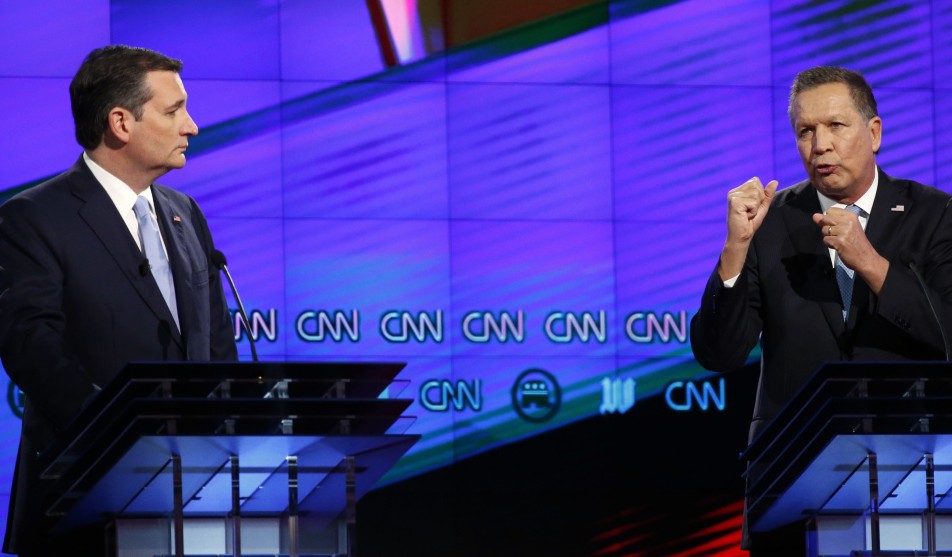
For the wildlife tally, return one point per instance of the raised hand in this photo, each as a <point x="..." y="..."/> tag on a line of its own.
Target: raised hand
<point x="747" y="205"/>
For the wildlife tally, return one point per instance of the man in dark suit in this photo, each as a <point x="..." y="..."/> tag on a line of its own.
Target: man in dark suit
<point x="82" y="291"/>
<point x="776" y="279"/>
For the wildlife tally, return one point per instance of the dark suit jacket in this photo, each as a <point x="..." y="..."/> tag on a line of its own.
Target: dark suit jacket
<point x="787" y="296"/>
<point x="76" y="306"/>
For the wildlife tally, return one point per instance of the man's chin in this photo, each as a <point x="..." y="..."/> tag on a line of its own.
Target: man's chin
<point x="835" y="190"/>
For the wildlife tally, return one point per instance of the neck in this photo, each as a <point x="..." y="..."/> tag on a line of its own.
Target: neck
<point x="114" y="163"/>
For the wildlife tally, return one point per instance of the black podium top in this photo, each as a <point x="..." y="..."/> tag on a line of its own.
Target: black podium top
<point x="116" y="459"/>
<point x="812" y="457"/>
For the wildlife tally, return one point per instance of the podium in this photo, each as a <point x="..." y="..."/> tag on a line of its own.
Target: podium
<point x="181" y="458"/>
<point x="863" y="456"/>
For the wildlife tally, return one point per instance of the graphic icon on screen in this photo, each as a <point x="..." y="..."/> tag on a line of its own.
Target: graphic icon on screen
<point x="683" y="396"/>
<point x="536" y="395"/>
<point x="439" y="395"/>
<point x="618" y="396"/>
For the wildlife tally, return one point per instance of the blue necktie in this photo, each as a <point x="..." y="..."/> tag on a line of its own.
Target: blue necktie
<point x="152" y="247"/>
<point x="844" y="275"/>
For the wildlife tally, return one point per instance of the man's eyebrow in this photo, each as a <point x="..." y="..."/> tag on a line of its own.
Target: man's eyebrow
<point x="177" y="104"/>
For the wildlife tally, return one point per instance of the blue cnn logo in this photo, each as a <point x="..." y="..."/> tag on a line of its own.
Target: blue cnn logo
<point x="438" y="395"/>
<point x="682" y="396"/>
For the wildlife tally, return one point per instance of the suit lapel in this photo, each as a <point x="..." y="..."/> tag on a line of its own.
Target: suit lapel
<point x="819" y="282"/>
<point x="890" y="208"/>
<point x="889" y="212"/>
<point x="173" y="233"/>
<point x="99" y="213"/>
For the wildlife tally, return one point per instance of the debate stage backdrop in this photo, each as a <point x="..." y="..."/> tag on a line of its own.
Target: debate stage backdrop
<point x="521" y="200"/>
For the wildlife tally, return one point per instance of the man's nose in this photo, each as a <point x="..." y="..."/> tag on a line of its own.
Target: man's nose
<point x="822" y="139"/>
<point x="191" y="128"/>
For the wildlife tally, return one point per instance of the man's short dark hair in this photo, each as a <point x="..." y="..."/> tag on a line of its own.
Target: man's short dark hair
<point x="860" y="91"/>
<point x="112" y="76"/>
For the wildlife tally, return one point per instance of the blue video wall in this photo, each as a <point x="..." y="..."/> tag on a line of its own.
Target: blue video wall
<point x="526" y="220"/>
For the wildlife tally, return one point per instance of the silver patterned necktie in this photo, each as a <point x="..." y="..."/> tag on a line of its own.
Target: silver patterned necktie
<point x="152" y="247"/>
<point x="844" y="275"/>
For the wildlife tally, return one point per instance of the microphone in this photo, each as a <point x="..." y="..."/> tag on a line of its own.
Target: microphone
<point x="218" y="260"/>
<point x="911" y="263"/>
<point x="145" y="268"/>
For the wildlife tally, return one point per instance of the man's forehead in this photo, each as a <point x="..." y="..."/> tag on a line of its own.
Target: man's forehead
<point x="163" y="76"/>
<point x="825" y="100"/>
<point x="166" y="85"/>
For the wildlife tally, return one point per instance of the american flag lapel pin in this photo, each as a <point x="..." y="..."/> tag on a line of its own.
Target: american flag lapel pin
<point x="178" y="219"/>
<point x="898" y="208"/>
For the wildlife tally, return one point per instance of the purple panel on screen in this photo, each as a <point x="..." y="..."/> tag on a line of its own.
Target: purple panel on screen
<point x="212" y="102"/>
<point x="9" y="437"/>
<point x="254" y="249"/>
<point x="220" y="39"/>
<point x="243" y="180"/>
<point x="943" y="139"/>
<point x="233" y="173"/>
<point x="5" y="500"/>
<point x="889" y="41"/>
<point x="9" y="441"/>
<point x="692" y="42"/>
<point x="50" y="38"/>
<point x="387" y="271"/>
<point x="529" y="151"/>
<point x="544" y="270"/>
<point x="383" y="156"/>
<point x="787" y="164"/>
<point x="678" y="150"/>
<point x="942" y="42"/>
<point x="331" y="39"/>
<point x="38" y="140"/>
<point x="907" y="149"/>
<point x="661" y="270"/>
<point x="581" y="58"/>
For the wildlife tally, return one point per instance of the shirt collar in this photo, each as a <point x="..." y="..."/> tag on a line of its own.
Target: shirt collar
<point x="118" y="191"/>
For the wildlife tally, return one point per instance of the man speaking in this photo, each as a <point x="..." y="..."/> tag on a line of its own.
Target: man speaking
<point x="100" y="266"/>
<point x="830" y="268"/>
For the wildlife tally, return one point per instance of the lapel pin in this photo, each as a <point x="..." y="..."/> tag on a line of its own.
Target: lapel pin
<point x="898" y="208"/>
<point x="176" y="218"/>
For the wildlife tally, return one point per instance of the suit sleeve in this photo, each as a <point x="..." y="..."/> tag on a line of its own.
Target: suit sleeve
<point x="728" y="324"/>
<point x="902" y="301"/>
<point x="33" y="346"/>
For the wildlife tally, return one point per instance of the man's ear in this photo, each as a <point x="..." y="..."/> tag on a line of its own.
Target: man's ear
<point x="120" y="121"/>
<point x="875" y="128"/>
